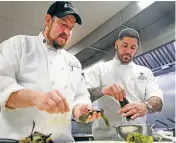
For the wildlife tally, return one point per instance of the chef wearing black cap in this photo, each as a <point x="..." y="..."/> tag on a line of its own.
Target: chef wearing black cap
<point x="41" y="82"/>
<point x="60" y="20"/>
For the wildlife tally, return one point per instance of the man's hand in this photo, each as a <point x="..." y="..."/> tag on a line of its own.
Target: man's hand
<point x="81" y="109"/>
<point x="51" y="102"/>
<point x="134" y="109"/>
<point x="115" y="91"/>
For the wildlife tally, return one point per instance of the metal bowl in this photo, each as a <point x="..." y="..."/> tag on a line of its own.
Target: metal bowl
<point x="124" y="130"/>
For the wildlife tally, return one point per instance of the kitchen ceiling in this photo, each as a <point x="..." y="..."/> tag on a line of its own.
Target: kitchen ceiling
<point x="149" y="22"/>
<point x="27" y="17"/>
<point x="102" y="21"/>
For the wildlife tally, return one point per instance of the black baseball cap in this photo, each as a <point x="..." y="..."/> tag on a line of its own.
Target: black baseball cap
<point x="63" y="8"/>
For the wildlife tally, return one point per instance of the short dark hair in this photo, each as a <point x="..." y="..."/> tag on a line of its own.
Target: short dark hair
<point x="129" y="32"/>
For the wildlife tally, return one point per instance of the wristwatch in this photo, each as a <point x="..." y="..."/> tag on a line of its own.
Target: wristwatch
<point x="149" y="107"/>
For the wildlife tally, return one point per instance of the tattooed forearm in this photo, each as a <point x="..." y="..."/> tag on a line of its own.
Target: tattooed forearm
<point x="156" y="104"/>
<point x="95" y="93"/>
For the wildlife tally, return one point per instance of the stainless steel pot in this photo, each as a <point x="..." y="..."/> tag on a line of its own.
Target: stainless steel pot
<point x="124" y="130"/>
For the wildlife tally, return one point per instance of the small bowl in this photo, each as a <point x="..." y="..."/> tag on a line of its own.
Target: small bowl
<point x="125" y="130"/>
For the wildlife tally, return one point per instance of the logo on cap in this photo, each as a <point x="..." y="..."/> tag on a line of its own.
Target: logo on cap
<point x="69" y="5"/>
<point x="65" y="5"/>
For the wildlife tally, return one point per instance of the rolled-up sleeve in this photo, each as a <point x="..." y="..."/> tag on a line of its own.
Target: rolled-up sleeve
<point x="152" y="88"/>
<point x="9" y="63"/>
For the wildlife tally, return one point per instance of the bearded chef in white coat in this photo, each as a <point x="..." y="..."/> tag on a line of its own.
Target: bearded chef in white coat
<point x="111" y="81"/>
<point x="39" y="77"/>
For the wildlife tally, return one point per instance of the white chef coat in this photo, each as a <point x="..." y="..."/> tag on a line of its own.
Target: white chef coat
<point x="139" y="84"/>
<point x="29" y="62"/>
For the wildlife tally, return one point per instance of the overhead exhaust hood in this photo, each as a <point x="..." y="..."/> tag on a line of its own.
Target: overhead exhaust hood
<point x="159" y="58"/>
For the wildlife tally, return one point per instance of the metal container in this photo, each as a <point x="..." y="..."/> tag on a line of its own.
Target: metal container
<point x="8" y="141"/>
<point x="124" y="130"/>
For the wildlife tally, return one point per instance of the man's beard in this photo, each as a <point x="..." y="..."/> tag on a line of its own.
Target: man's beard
<point x="56" y="45"/>
<point x="120" y="57"/>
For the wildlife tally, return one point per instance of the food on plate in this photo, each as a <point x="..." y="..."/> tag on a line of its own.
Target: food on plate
<point x="37" y="137"/>
<point x="84" y="117"/>
<point x="139" y="138"/>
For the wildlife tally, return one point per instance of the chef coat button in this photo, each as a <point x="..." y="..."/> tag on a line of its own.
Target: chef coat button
<point x="58" y="51"/>
<point x="61" y="136"/>
<point x="44" y="40"/>
<point x="66" y="86"/>
<point x="52" y="82"/>
<point x="51" y="63"/>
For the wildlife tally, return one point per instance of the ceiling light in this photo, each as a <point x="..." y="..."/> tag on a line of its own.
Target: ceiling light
<point x="144" y="3"/>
